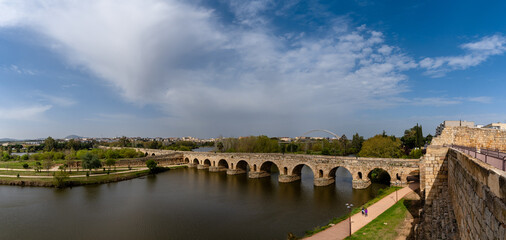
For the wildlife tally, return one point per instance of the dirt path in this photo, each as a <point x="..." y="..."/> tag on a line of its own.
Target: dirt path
<point x="342" y="229"/>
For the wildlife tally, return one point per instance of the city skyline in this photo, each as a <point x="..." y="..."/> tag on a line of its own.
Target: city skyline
<point x="220" y="68"/>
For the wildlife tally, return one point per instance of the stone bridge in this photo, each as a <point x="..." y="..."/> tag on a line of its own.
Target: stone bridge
<point x="324" y="168"/>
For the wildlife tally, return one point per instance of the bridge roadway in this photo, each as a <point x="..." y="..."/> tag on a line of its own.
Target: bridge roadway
<point x="258" y="165"/>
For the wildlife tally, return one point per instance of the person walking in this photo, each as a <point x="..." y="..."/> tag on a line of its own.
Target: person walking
<point x="363" y="211"/>
<point x="366" y="212"/>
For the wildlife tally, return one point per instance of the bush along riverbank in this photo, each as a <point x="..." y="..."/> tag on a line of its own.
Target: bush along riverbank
<point x="381" y="194"/>
<point x="62" y="179"/>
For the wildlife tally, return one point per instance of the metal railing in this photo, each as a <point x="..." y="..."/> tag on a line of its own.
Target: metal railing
<point x="490" y="156"/>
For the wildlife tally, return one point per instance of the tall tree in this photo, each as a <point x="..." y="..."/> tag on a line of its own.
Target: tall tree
<point x="49" y="144"/>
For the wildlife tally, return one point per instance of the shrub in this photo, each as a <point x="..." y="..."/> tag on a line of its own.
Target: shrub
<point x="25" y="165"/>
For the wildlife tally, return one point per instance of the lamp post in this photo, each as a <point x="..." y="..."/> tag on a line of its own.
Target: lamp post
<point x="349" y="206"/>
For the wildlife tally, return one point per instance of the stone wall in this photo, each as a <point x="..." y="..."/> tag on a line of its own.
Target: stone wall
<point x="472" y="137"/>
<point x="464" y="197"/>
<point x="437" y="220"/>
<point x="478" y="194"/>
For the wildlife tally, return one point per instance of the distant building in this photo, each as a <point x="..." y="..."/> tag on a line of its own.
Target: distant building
<point x="441" y="126"/>
<point x="500" y="126"/>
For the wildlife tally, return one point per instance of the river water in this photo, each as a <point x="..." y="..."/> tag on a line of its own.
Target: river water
<point x="178" y="204"/>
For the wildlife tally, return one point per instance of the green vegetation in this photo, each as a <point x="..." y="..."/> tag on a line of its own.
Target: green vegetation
<point x="381" y="194"/>
<point x="176" y="146"/>
<point x="90" y="161"/>
<point x="151" y="164"/>
<point x="60" y="179"/>
<point x="382" y="146"/>
<point x="385" y="224"/>
<point x="264" y="144"/>
<point x="379" y="175"/>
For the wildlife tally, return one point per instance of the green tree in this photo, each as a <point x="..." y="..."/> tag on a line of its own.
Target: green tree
<point x="49" y="144"/>
<point x="220" y="146"/>
<point x="382" y="147"/>
<point x="356" y="143"/>
<point x="60" y="179"/>
<point x="90" y="161"/>
<point x="24" y="157"/>
<point x="47" y="164"/>
<point x="151" y="164"/>
<point x="38" y="166"/>
<point x="110" y="162"/>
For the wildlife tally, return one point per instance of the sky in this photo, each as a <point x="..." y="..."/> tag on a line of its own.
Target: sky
<point x="169" y="68"/>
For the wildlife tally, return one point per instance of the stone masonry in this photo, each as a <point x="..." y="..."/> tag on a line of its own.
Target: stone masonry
<point x="290" y="165"/>
<point x="464" y="197"/>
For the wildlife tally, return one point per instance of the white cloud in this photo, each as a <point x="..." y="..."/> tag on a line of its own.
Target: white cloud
<point x="29" y="113"/>
<point x="56" y="100"/>
<point x="205" y="72"/>
<point x="477" y="52"/>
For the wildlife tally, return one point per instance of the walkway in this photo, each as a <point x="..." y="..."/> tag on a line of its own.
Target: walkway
<point x="342" y="229"/>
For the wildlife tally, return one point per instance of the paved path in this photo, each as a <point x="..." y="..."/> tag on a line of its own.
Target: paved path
<point x="342" y="229"/>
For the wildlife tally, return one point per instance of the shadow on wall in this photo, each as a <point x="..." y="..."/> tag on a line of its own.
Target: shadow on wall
<point x="436" y="200"/>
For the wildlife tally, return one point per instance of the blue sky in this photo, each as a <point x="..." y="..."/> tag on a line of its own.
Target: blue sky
<point x="231" y="68"/>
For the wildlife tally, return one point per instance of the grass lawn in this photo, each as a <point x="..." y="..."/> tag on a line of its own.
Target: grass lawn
<point x="384" y="225"/>
<point x="383" y="193"/>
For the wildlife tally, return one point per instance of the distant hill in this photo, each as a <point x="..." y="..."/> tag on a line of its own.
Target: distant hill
<point x="72" y="137"/>
<point x="7" y="140"/>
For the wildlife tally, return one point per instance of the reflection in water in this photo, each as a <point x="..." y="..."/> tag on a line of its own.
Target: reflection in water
<point x="178" y="204"/>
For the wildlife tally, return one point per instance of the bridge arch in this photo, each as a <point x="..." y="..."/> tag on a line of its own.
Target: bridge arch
<point x="243" y="165"/>
<point x="333" y="173"/>
<point x="186" y="160"/>
<point x="207" y="162"/>
<point x="297" y="170"/>
<point x="380" y="175"/>
<point x="320" y="130"/>
<point x="223" y="164"/>
<point x="267" y="166"/>
<point x="196" y="161"/>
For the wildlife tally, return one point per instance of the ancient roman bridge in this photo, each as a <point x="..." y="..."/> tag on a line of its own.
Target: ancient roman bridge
<point x="258" y="165"/>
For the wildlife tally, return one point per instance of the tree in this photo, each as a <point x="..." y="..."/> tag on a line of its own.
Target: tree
<point x="90" y="161"/>
<point x="47" y="164"/>
<point x="151" y="164"/>
<point x="383" y="147"/>
<point x="38" y="166"/>
<point x="220" y="146"/>
<point x="60" y="179"/>
<point x="356" y="143"/>
<point x="25" y="165"/>
<point x="49" y="144"/>
<point x="124" y="142"/>
<point x="110" y="162"/>
<point x="24" y="157"/>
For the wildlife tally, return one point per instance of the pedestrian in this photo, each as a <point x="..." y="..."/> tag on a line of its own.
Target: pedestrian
<point x="366" y="212"/>
<point x="363" y="212"/>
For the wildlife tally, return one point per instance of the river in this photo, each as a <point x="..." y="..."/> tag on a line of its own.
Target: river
<point x="178" y="204"/>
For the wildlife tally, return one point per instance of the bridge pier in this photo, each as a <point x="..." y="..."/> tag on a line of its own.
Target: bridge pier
<point x="323" y="181"/>
<point x="192" y="165"/>
<point x="235" y="171"/>
<point x="202" y="167"/>
<point x="258" y="174"/>
<point x="288" y="178"/>
<point x="360" y="184"/>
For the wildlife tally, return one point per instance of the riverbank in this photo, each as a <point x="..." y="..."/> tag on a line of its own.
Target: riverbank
<point x="397" y="222"/>
<point x="358" y="221"/>
<point x="383" y="193"/>
<point x="77" y="180"/>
